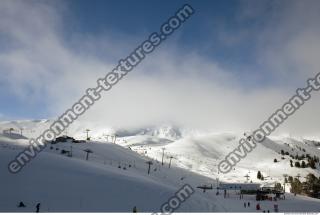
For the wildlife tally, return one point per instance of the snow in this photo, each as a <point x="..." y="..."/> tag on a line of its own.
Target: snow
<point x="201" y="154"/>
<point x="72" y="184"/>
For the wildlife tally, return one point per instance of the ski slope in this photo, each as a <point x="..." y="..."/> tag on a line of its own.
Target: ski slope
<point x="115" y="178"/>
<point x="202" y="154"/>
<point x="67" y="184"/>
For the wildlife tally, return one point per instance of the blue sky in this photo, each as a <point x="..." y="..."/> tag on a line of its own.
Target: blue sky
<point x="137" y="19"/>
<point x="242" y="53"/>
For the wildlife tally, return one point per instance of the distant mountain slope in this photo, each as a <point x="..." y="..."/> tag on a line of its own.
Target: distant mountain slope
<point x="202" y="154"/>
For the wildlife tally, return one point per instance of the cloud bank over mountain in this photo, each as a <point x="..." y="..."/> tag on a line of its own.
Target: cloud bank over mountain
<point x="46" y="68"/>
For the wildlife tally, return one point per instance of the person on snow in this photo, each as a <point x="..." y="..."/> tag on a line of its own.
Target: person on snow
<point x="245" y="205"/>
<point x="21" y="205"/>
<point x="134" y="210"/>
<point x="258" y="207"/>
<point x="38" y="208"/>
<point x="248" y="204"/>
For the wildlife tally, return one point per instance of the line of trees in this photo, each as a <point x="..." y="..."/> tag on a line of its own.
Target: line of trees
<point x="310" y="161"/>
<point x="311" y="187"/>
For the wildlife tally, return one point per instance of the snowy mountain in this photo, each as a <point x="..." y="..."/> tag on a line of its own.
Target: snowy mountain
<point x="201" y="154"/>
<point x="115" y="176"/>
<point x="32" y="128"/>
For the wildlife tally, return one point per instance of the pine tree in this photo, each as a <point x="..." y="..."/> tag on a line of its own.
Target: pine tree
<point x="312" y="164"/>
<point x="296" y="186"/>
<point x="311" y="186"/>
<point x="259" y="175"/>
<point x="278" y="186"/>
<point x="275" y="160"/>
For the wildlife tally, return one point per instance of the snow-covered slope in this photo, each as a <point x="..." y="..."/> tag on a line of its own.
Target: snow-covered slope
<point x="202" y="154"/>
<point x="62" y="183"/>
<point x="115" y="177"/>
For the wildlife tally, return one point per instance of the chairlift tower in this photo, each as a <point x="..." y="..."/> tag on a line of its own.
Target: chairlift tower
<point x="162" y="155"/>
<point x="170" y="161"/>
<point x="247" y="176"/>
<point x="21" y="129"/>
<point x="87" y="131"/>
<point x="284" y="182"/>
<point x="149" y="166"/>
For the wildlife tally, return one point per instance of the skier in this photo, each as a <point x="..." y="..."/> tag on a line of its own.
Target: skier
<point x="276" y="208"/>
<point x="248" y="204"/>
<point x="245" y="205"/>
<point x="258" y="207"/>
<point x="38" y="208"/>
<point x="21" y="205"/>
<point x="134" y="210"/>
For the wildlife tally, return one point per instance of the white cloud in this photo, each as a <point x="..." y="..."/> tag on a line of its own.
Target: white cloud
<point x="168" y="86"/>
